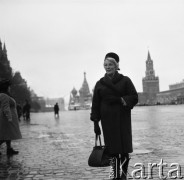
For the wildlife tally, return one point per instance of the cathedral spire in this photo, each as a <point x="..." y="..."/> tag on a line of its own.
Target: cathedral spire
<point x="83" y="99"/>
<point x="85" y="80"/>
<point x="84" y="75"/>
<point x="84" y="90"/>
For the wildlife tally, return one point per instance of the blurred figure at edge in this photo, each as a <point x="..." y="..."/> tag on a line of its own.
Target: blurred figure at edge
<point x="9" y="123"/>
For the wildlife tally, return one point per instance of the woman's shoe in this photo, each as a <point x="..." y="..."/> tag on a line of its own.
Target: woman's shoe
<point x="11" y="151"/>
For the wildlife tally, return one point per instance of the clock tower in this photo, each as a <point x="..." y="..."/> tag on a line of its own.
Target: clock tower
<point x="150" y="82"/>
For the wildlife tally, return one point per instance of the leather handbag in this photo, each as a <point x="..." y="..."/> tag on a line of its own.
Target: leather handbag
<point x="99" y="156"/>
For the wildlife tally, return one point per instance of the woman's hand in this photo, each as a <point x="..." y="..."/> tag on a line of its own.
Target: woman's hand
<point x="113" y="100"/>
<point x="97" y="128"/>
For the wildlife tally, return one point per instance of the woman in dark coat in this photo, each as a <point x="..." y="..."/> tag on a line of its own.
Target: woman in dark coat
<point x="9" y="123"/>
<point x="114" y="97"/>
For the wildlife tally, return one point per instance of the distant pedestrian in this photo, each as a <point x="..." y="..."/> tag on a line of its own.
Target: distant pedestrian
<point x="9" y="123"/>
<point x="56" y="110"/>
<point x="26" y="110"/>
<point x="19" y="111"/>
<point x="114" y="97"/>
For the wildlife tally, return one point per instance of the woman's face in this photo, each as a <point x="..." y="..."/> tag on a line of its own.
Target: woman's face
<point x="109" y="66"/>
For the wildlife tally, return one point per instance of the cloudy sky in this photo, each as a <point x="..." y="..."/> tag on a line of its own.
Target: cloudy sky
<point x="52" y="42"/>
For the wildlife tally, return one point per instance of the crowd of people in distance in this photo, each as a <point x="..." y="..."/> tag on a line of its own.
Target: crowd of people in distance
<point x="24" y="111"/>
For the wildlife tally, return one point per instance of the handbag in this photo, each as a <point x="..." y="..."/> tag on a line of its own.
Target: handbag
<point x="99" y="156"/>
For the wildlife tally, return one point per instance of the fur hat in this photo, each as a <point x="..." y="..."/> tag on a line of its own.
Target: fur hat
<point x="114" y="56"/>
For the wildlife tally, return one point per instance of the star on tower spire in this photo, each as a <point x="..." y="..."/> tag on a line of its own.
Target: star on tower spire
<point x="149" y="57"/>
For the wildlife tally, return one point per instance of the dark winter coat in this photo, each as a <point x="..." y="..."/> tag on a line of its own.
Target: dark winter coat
<point x="115" y="117"/>
<point x="56" y="108"/>
<point x="9" y="123"/>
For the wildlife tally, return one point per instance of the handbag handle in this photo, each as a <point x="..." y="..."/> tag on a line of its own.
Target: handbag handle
<point x="96" y="139"/>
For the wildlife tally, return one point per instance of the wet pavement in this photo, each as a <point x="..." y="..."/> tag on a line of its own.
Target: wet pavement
<point x="59" y="148"/>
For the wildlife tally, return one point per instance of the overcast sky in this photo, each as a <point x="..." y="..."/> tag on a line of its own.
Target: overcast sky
<point x="52" y="42"/>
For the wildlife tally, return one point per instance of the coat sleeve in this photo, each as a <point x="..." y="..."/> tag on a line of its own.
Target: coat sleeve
<point x="6" y="107"/>
<point x="96" y="101"/>
<point x="131" y="97"/>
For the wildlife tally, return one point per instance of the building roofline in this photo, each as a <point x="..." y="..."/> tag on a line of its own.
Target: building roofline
<point x="170" y="90"/>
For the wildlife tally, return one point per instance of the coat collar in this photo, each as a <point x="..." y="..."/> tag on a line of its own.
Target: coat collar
<point x="116" y="78"/>
<point x="110" y="83"/>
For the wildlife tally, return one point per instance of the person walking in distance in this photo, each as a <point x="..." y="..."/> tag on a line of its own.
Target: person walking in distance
<point x="114" y="97"/>
<point x="26" y="110"/>
<point x="56" y="110"/>
<point x="19" y="111"/>
<point x="9" y="123"/>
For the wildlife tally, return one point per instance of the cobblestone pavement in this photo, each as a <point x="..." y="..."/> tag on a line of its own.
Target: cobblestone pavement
<point x="59" y="148"/>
